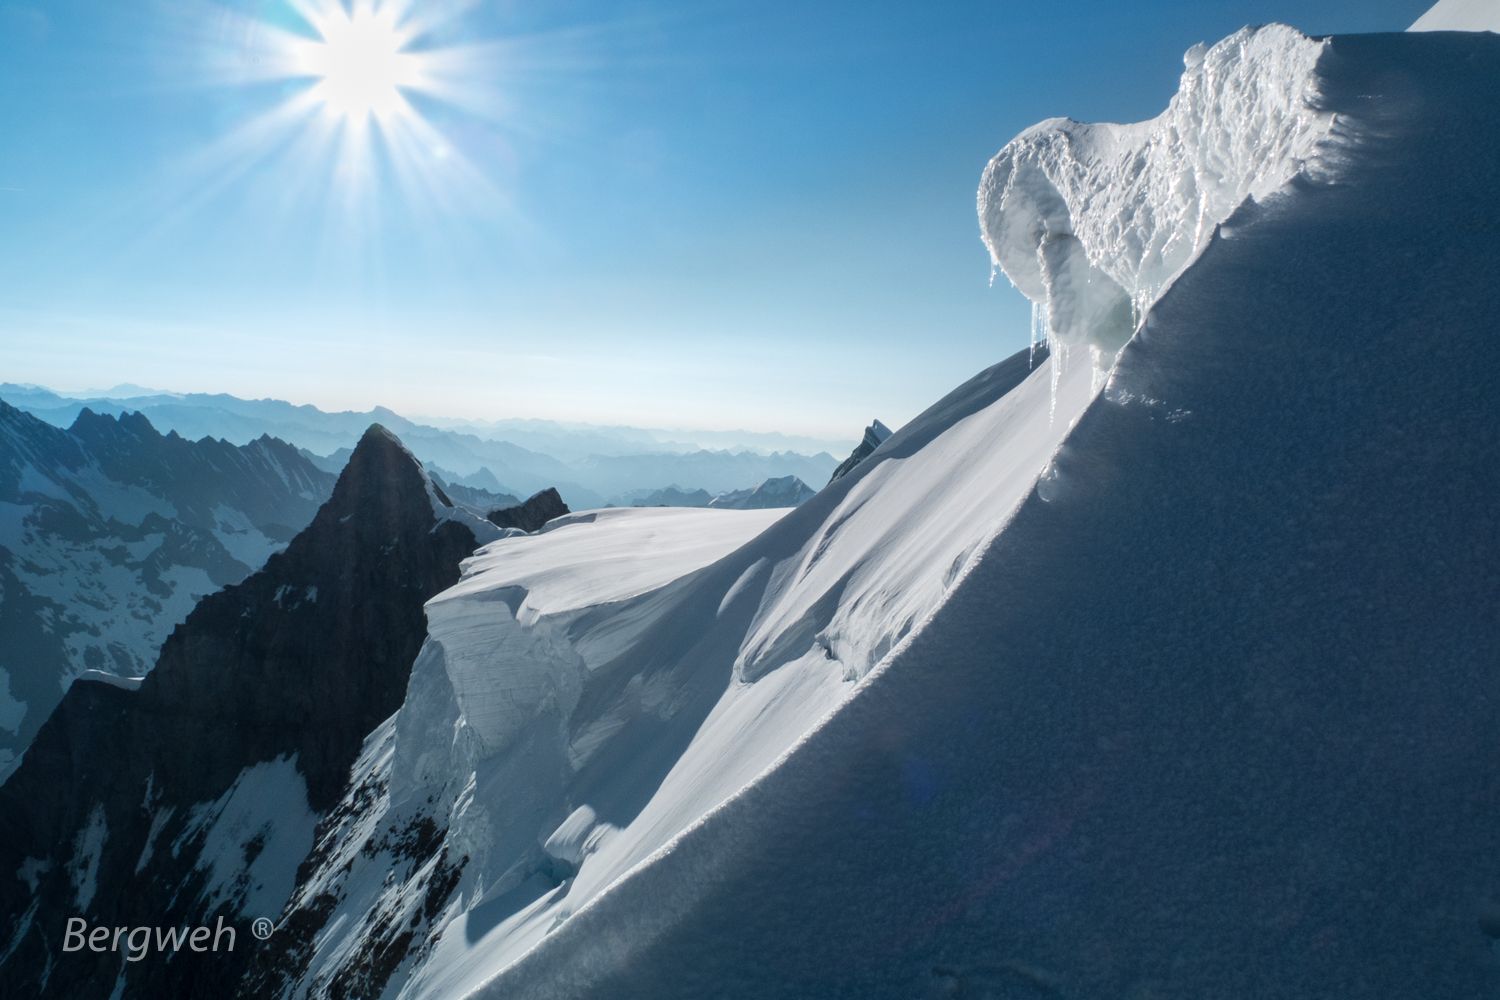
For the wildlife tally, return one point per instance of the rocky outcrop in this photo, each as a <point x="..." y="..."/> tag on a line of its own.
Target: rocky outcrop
<point x="531" y="515"/>
<point x="195" y="796"/>
<point x="875" y="436"/>
<point x="109" y="534"/>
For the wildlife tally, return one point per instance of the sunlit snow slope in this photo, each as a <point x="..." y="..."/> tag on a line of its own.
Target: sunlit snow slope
<point x="1460" y="15"/>
<point x="590" y="693"/>
<point x="1217" y="712"/>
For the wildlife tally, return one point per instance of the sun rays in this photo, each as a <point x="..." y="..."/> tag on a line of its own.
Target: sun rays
<point x="348" y="132"/>
<point x="359" y="62"/>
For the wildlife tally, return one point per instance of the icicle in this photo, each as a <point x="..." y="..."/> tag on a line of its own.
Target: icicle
<point x="1038" y="331"/>
<point x="1059" y="358"/>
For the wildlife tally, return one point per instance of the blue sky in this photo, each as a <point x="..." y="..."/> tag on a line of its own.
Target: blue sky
<point x="718" y="215"/>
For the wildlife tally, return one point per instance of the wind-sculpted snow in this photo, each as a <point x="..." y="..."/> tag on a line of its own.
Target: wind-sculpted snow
<point x="1093" y="222"/>
<point x="591" y="693"/>
<point x="513" y="634"/>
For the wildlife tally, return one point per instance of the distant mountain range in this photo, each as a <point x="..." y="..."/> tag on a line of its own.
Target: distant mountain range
<point x="788" y="491"/>
<point x="590" y="466"/>
<point x="110" y="532"/>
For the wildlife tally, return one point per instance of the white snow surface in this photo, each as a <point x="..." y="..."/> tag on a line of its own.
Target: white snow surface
<point x="1460" y="15"/>
<point x="590" y="693"/>
<point x="113" y="680"/>
<point x="1092" y="222"/>
<point x="505" y="628"/>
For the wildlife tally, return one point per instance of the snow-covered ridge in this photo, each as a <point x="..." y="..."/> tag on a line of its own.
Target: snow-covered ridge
<point x="1093" y="222"/>
<point x="1460" y="15"/>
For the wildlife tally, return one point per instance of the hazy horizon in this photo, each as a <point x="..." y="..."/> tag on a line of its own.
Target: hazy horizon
<point x="755" y="216"/>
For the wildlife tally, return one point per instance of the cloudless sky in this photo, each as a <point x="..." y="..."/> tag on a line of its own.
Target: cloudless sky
<point x="724" y="214"/>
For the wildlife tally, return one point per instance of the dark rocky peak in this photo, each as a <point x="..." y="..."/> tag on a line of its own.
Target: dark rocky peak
<point x="314" y="650"/>
<point x="875" y="436"/>
<point x="531" y="515"/>
<point x="297" y="663"/>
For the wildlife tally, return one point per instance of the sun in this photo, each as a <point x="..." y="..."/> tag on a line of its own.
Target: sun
<point x="360" y="63"/>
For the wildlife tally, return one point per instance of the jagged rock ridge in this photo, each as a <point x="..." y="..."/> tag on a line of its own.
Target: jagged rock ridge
<point x="109" y="534"/>
<point x="184" y="800"/>
<point x="787" y="491"/>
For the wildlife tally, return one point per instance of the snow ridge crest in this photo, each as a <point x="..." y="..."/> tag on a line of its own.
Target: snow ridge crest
<point x="1093" y="222"/>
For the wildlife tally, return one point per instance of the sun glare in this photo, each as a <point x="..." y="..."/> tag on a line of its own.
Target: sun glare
<point x="348" y="129"/>
<point x="361" y="65"/>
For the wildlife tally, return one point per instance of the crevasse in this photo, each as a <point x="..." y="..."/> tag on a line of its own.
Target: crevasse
<point x="1094" y="222"/>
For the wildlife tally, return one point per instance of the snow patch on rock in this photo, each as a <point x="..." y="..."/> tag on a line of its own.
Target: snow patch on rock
<point x="254" y="836"/>
<point x="88" y="848"/>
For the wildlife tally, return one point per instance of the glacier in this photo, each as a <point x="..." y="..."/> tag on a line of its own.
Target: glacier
<point x="588" y="694"/>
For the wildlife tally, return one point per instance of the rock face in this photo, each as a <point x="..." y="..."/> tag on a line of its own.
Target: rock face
<point x="875" y="436"/>
<point x="196" y="796"/>
<point x="111" y="532"/>
<point x="788" y="491"/>
<point x="531" y="515"/>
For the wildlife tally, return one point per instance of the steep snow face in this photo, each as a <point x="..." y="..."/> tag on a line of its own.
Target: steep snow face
<point x="1460" y="15"/>
<point x="1216" y="713"/>
<point x="589" y="694"/>
<point x="513" y="639"/>
<point x="1092" y="222"/>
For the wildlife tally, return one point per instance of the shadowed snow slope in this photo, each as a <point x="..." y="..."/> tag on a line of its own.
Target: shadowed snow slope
<point x="1217" y="712"/>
